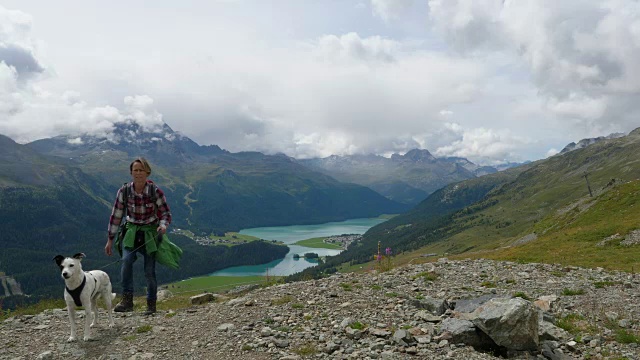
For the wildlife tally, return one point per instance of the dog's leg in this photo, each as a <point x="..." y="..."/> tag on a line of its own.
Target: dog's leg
<point x="94" y="306"/>
<point x="87" y="318"/>
<point x="72" y="321"/>
<point x="108" y="296"/>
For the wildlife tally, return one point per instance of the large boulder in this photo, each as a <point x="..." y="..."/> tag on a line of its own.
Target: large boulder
<point x="463" y="331"/>
<point x="511" y="323"/>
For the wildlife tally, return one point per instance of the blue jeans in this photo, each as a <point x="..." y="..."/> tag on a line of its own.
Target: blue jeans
<point x="126" y="272"/>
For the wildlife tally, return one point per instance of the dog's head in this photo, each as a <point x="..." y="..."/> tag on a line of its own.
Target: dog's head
<point x="69" y="266"/>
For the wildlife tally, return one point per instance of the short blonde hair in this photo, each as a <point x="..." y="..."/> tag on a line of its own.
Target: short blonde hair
<point x="143" y="162"/>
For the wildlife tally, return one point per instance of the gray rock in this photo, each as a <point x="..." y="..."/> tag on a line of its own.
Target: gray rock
<point x="512" y="323"/>
<point x="201" y="299"/>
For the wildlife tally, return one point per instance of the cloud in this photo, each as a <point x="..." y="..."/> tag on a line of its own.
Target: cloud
<point x="481" y="145"/>
<point x="582" y="56"/>
<point x="352" y="47"/>
<point x="16" y="47"/>
<point x="478" y="79"/>
<point x="389" y="10"/>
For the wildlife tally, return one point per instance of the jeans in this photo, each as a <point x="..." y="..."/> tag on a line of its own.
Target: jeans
<point x="126" y="272"/>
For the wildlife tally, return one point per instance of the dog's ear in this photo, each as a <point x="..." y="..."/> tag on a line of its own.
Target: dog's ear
<point x="79" y="256"/>
<point x="58" y="259"/>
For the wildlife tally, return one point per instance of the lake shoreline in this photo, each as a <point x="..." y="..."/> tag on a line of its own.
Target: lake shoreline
<point x="291" y="236"/>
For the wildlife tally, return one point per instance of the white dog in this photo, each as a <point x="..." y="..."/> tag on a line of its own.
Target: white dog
<point x="83" y="289"/>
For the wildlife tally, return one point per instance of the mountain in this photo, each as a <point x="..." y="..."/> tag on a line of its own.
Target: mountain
<point x="407" y="178"/>
<point x="589" y="141"/>
<point x="580" y="208"/>
<point x="161" y="143"/>
<point x="214" y="190"/>
<point x="56" y="196"/>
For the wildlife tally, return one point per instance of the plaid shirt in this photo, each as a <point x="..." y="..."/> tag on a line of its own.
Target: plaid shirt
<point x="141" y="210"/>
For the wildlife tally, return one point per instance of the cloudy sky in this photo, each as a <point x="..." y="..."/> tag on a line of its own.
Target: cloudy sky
<point x="493" y="80"/>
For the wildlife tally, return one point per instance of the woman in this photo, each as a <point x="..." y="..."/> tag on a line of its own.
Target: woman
<point x="147" y="218"/>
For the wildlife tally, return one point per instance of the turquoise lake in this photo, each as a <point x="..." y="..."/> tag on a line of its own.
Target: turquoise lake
<point x="292" y="234"/>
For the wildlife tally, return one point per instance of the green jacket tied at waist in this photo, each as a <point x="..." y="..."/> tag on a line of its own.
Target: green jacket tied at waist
<point x="166" y="252"/>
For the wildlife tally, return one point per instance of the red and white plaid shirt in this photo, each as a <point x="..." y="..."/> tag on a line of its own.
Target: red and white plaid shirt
<point x="141" y="210"/>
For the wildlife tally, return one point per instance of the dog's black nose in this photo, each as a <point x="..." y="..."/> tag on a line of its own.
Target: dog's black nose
<point x="65" y="275"/>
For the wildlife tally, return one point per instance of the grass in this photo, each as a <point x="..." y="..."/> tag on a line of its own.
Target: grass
<point x="345" y="286"/>
<point x="318" y="243"/>
<point x="282" y="300"/>
<point x="570" y="323"/>
<point x="625" y="336"/>
<point x="572" y="292"/>
<point x="488" y="284"/>
<point x="143" y="329"/>
<point x="430" y="276"/>
<point x="603" y="284"/>
<point x="34" y="309"/>
<point x="357" y="325"/>
<point x="522" y="295"/>
<point x="566" y="238"/>
<point x="306" y="350"/>
<point x="213" y="283"/>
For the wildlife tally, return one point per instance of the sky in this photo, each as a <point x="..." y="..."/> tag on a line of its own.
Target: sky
<point x="493" y="81"/>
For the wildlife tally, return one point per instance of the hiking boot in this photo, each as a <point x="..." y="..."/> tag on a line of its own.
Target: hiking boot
<point x="126" y="304"/>
<point x="151" y="307"/>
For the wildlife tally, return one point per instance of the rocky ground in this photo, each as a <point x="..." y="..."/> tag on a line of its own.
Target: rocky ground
<point x="360" y="316"/>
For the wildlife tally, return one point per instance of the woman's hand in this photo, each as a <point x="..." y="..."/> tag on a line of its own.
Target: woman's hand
<point x="161" y="229"/>
<point x="108" y="249"/>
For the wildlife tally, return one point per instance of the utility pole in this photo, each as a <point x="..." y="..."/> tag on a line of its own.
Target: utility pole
<point x="588" y="186"/>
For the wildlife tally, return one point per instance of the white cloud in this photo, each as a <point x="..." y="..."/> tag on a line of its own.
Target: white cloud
<point x="476" y="78"/>
<point x="389" y="10"/>
<point x="482" y="145"/>
<point x="581" y="55"/>
<point x="551" y="152"/>
<point x="352" y="47"/>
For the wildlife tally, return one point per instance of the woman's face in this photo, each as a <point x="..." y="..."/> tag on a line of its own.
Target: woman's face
<point x="138" y="173"/>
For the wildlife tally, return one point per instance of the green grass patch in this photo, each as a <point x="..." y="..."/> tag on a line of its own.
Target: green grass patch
<point x="572" y="292"/>
<point x="625" y="336"/>
<point x="345" y="286"/>
<point x="391" y="294"/>
<point x="488" y="284"/>
<point x="522" y="295"/>
<point x="603" y="284"/>
<point x="357" y="325"/>
<point x="282" y="300"/>
<point x="306" y="350"/>
<point x="143" y="329"/>
<point x="201" y="284"/>
<point x="430" y="276"/>
<point x="318" y="243"/>
<point x="33" y="309"/>
<point x="376" y="287"/>
<point x="297" y="306"/>
<point x="570" y="323"/>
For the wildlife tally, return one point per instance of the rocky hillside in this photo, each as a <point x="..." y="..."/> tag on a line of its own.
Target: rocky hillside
<point x="471" y="309"/>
